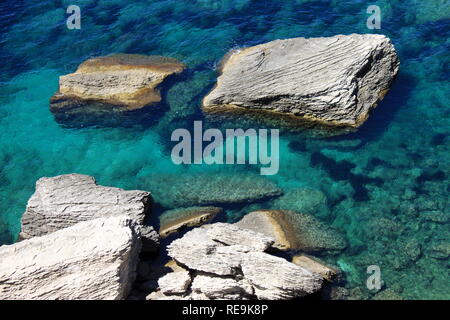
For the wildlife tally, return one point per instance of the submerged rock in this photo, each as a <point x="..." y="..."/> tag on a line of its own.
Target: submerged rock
<point x="222" y="269"/>
<point x="304" y="200"/>
<point x="233" y="235"/>
<point x="112" y="84"/>
<point x="172" y="221"/>
<point x="93" y="260"/>
<point x="387" y="294"/>
<point x="435" y="216"/>
<point x="186" y="190"/>
<point x="294" y="231"/>
<point x="62" y="201"/>
<point x="332" y="81"/>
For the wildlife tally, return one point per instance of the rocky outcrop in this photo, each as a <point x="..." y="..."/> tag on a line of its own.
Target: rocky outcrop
<point x="294" y="231"/>
<point x="173" y="221"/>
<point x="63" y="201"/>
<point x="113" y="84"/>
<point x="440" y="250"/>
<point x="312" y="264"/>
<point x="221" y="288"/>
<point x="225" y="267"/>
<point x="333" y="81"/>
<point x="232" y="235"/>
<point x="93" y="260"/>
<point x="175" y="282"/>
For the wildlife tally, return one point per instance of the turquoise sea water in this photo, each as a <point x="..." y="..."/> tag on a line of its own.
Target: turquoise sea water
<point x="385" y="187"/>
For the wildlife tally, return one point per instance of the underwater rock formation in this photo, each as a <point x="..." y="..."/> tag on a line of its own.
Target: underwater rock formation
<point x="294" y="231"/>
<point x="222" y="269"/>
<point x="187" y="190"/>
<point x="303" y="200"/>
<point x="173" y="221"/>
<point x="62" y="201"/>
<point x="116" y="83"/>
<point x="333" y="81"/>
<point x="92" y="260"/>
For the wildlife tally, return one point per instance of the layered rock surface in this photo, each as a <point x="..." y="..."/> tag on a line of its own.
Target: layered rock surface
<point x="115" y="83"/>
<point x="173" y="221"/>
<point x="222" y="266"/>
<point x="65" y="200"/>
<point x="201" y="189"/>
<point x="62" y="201"/>
<point x="333" y="81"/>
<point x="93" y="260"/>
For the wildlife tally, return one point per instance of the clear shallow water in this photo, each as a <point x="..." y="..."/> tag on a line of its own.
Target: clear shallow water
<point x="381" y="184"/>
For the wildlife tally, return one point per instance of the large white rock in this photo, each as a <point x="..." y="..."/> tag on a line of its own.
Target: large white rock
<point x="113" y="84"/>
<point x="225" y="270"/>
<point x="233" y="235"/>
<point x="65" y="200"/>
<point x="93" y="260"/>
<point x="334" y="81"/>
<point x="275" y="278"/>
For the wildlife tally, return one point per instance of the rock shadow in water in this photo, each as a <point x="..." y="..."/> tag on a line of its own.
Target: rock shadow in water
<point x="102" y="115"/>
<point x="341" y="171"/>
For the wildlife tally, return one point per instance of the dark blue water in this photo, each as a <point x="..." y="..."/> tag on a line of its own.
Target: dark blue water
<point x="383" y="186"/>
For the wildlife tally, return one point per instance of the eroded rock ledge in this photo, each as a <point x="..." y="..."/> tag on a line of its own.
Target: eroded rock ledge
<point x="92" y="260"/>
<point x="116" y="83"/>
<point x="62" y="201"/>
<point x="224" y="261"/>
<point x="333" y="81"/>
<point x="295" y="231"/>
<point x="85" y="241"/>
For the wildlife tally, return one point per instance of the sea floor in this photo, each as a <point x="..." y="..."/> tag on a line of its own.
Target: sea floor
<point x="385" y="187"/>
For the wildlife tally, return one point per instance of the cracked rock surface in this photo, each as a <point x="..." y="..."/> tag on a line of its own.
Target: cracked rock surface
<point x="114" y="83"/>
<point x="226" y="267"/>
<point x="332" y="80"/>
<point x="92" y="260"/>
<point x="65" y="200"/>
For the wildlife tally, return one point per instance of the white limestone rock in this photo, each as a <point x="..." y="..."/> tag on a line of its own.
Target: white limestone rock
<point x="92" y="260"/>
<point x="175" y="283"/>
<point x="233" y="235"/>
<point x="62" y="201"/>
<point x="277" y="279"/>
<point x="221" y="288"/>
<point x="197" y="251"/>
<point x="334" y="81"/>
